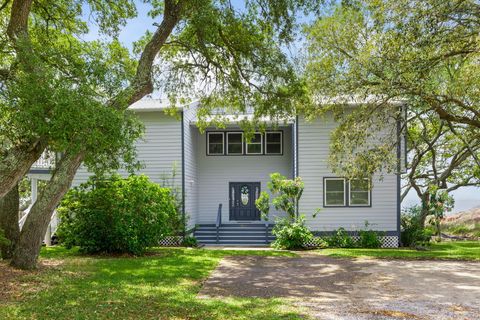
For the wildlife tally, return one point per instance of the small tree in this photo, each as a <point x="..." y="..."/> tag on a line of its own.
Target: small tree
<point x="288" y="193"/>
<point x="440" y="202"/>
<point x="290" y="232"/>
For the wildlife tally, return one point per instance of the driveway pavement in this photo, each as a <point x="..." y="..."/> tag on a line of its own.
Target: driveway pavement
<point x="331" y="288"/>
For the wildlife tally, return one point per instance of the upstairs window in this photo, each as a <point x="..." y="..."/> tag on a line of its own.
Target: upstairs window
<point x="273" y="143"/>
<point x="234" y="143"/>
<point x="215" y="143"/>
<point x="334" y="192"/>
<point x="359" y="190"/>
<point x="255" y="146"/>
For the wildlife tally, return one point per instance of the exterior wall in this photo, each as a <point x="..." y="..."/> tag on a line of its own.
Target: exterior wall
<point x="313" y="153"/>
<point x="158" y="151"/>
<point x="215" y="172"/>
<point x="190" y="153"/>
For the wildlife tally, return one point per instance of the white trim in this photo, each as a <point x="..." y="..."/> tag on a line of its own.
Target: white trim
<point x="344" y="193"/>
<point x="350" y="194"/>
<point x="281" y="142"/>
<point x="256" y="143"/>
<point x="241" y="142"/>
<point x="208" y="144"/>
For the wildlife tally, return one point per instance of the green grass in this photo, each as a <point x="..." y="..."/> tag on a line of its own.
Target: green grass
<point x="461" y="250"/>
<point x="159" y="286"/>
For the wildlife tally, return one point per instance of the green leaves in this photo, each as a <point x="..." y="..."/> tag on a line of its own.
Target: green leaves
<point x="380" y="53"/>
<point x="117" y="215"/>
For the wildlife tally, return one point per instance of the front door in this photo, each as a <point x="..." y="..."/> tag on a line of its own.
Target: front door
<point x="242" y="201"/>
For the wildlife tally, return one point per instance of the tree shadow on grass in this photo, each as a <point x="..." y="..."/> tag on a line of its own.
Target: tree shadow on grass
<point x="154" y="287"/>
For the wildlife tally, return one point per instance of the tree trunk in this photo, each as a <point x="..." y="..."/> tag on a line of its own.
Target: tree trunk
<point x="425" y="204"/>
<point x="16" y="163"/>
<point x="9" y="205"/>
<point x="28" y="248"/>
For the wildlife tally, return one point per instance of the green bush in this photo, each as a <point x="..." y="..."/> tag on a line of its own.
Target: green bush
<point x="291" y="235"/>
<point x="412" y="232"/>
<point x="117" y="215"/>
<point x="319" y="243"/>
<point x="340" y="239"/>
<point x="369" y="238"/>
<point x="190" y="241"/>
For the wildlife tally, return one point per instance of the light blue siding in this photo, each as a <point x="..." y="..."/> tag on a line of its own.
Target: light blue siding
<point x="313" y="152"/>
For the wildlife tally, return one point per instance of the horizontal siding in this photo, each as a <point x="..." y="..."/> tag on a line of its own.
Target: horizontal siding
<point x="215" y="172"/>
<point x="313" y="153"/>
<point x="158" y="151"/>
<point x="190" y="133"/>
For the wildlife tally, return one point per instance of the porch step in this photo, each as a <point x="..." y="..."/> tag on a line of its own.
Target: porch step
<point x="247" y="234"/>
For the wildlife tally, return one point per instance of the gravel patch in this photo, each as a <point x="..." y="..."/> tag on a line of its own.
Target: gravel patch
<point x="331" y="288"/>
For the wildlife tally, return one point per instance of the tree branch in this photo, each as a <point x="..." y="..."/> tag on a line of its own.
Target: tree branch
<point x="18" y="24"/>
<point x="142" y="83"/>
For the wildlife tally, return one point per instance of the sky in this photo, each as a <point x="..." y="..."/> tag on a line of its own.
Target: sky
<point x="465" y="198"/>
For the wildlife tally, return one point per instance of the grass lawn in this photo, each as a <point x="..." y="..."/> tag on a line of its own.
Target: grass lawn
<point x="163" y="285"/>
<point x="460" y="250"/>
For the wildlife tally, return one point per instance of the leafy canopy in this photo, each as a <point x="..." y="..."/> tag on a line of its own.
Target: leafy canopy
<point x="381" y="52"/>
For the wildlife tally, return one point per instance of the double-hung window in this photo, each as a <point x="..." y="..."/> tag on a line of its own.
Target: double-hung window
<point x="234" y="143"/>
<point x="334" y="192"/>
<point x="273" y="143"/>
<point x="215" y="143"/>
<point x="359" y="191"/>
<point x="255" y="146"/>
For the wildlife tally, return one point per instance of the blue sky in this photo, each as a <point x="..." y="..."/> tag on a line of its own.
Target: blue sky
<point x="465" y="198"/>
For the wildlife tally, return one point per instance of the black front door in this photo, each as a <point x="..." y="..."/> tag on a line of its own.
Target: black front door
<point x="242" y="201"/>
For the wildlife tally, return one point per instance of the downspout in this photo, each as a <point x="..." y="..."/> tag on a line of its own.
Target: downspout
<point x="183" y="176"/>
<point x="399" y="168"/>
<point x="296" y="157"/>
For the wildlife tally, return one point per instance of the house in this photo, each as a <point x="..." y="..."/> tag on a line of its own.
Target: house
<point x="220" y="176"/>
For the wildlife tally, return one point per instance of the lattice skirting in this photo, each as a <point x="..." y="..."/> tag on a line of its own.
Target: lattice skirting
<point x="387" y="241"/>
<point x="171" y="241"/>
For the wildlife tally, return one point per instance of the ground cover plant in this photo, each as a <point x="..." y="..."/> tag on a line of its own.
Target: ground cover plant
<point x="162" y="285"/>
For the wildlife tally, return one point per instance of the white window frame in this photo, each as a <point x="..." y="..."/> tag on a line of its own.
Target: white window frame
<point x="260" y="143"/>
<point x="241" y="142"/>
<point x="369" y="191"/>
<point x="208" y="143"/>
<point x="281" y="141"/>
<point x="325" y="192"/>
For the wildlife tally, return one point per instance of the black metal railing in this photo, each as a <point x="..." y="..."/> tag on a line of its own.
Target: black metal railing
<point x="219" y="221"/>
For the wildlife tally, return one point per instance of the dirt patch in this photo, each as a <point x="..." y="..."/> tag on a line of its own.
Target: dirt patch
<point x="254" y="276"/>
<point x="332" y="288"/>
<point x="15" y="283"/>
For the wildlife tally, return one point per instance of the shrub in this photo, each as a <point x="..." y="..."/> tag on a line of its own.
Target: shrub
<point x="116" y="215"/>
<point x="319" y="243"/>
<point x="291" y="235"/>
<point x="190" y="242"/>
<point x="412" y="232"/>
<point x="340" y="239"/>
<point x="369" y="238"/>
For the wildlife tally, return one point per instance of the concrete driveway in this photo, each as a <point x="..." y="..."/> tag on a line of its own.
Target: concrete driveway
<point x="331" y="288"/>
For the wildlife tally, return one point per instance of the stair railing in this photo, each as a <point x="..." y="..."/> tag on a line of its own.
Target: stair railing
<point x="219" y="221"/>
<point x="266" y="232"/>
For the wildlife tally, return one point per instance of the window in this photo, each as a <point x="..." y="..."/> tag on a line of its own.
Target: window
<point x="334" y="192"/>
<point x="359" y="190"/>
<point x="234" y="143"/>
<point x="255" y="146"/>
<point x="273" y="143"/>
<point x="215" y="143"/>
